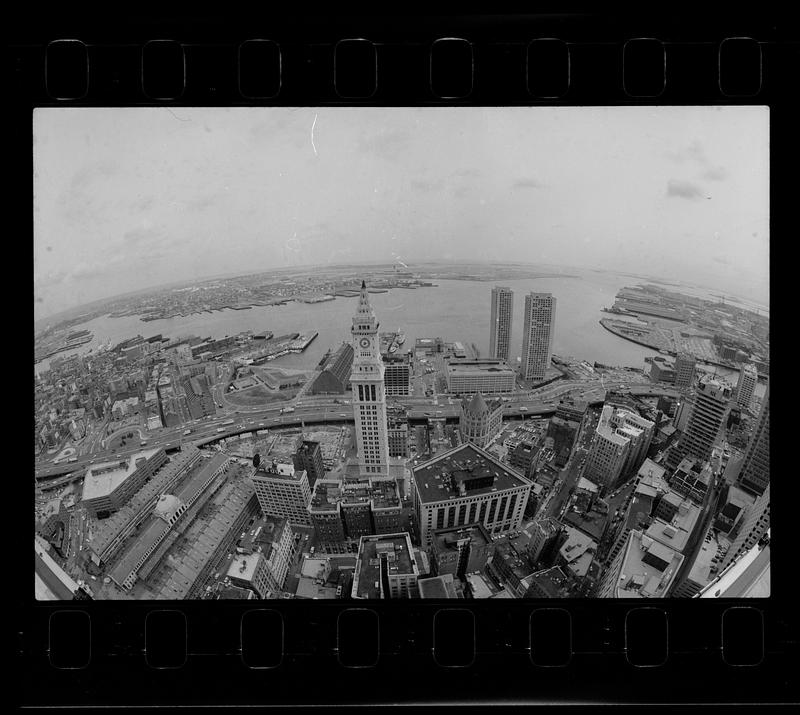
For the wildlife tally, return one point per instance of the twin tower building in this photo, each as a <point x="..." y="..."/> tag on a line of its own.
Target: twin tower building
<point x="537" y="330"/>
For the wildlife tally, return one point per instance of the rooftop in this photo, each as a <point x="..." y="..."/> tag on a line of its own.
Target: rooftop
<point x="463" y="471"/>
<point x="676" y="533"/>
<point x="553" y="582"/>
<point x="263" y="534"/>
<point x="191" y="487"/>
<point x="276" y="470"/>
<point x="243" y="566"/>
<point x="102" y="479"/>
<point x="592" y="523"/>
<point x="450" y="537"/>
<point x="481" y="587"/>
<point x="438" y="587"/>
<point x="382" y="493"/>
<point x="471" y="367"/>
<point x="395" y="549"/>
<point x="149" y="533"/>
<point x="639" y="579"/>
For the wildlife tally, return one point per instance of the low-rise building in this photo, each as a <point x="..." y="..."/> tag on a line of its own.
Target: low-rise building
<point x="385" y="568"/>
<point x="109" y="485"/>
<point x="460" y="550"/>
<point x="466" y="377"/>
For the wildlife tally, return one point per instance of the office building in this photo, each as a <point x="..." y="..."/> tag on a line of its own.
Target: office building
<point x="398" y="437"/>
<point x="397" y="374"/>
<point x="369" y="397"/>
<point x="644" y="568"/>
<point x="386" y="568"/>
<point x="480" y="421"/>
<point x="608" y="454"/>
<point x="662" y="370"/>
<point x="108" y="486"/>
<point x="308" y="458"/>
<point x="754" y="474"/>
<point x="283" y="491"/>
<point x="465" y="377"/>
<point x="707" y="416"/>
<point x="264" y="556"/>
<point x="563" y="433"/>
<point x="352" y="508"/>
<point x="500" y="323"/>
<point x="692" y="479"/>
<point x="466" y="485"/>
<point x="334" y="378"/>
<point x="745" y="387"/>
<point x="685" y="365"/>
<point x="753" y="526"/>
<point x="537" y="335"/>
<point x="525" y="456"/>
<point x="440" y="587"/>
<point x="460" y="550"/>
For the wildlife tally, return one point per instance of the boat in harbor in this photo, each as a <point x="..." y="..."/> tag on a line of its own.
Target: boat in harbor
<point x="393" y="348"/>
<point x="400" y="338"/>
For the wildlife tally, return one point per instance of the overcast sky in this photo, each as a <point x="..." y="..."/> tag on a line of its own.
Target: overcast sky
<point x="125" y="199"/>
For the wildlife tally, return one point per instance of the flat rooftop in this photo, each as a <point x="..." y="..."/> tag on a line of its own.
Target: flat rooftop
<point x="284" y="472"/>
<point x="243" y="566"/>
<point x="440" y="478"/>
<point x="478" y="367"/>
<point x="264" y="533"/>
<point x="381" y="493"/>
<point x="639" y="579"/>
<point x="438" y="587"/>
<point x="396" y="549"/>
<point x="102" y="479"/>
<point x="448" y="538"/>
<point x="676" y="533"/>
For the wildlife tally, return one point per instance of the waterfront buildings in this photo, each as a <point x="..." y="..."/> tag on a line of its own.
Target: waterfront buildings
<point x="386" y="568"/>
<point x="746" y="385"/>
<point x="537" y="334"/>
<point x="754" y="475"/>
<point x="334" y="378"/>
<point x="465" y="377"/>
<point x="708" y="414"/>
<point x="662" y="370"/>
<point x="479" y="422"/>
<point x="283" y="491"/>
<point x="466" y="485"/>
<point x="108" y="486"/>
<point x="685" y="365"/>
<point x="397" y="374"/>
<point x="369" y="392"/>
<point x="500" y="322"/>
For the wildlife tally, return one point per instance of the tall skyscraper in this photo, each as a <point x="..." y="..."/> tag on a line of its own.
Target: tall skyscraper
<point x="754" y="475"/>
<point x="684" y="370"/>
<point x="369" y="395"/>
<point x="502" y="314"/>
<point x="753" y="526"/>
<point x="537" y="336"/>
<point x="748" y="377"/>
<point x="709" y="412"/>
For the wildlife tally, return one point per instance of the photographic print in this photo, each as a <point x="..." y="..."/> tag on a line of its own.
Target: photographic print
<point x="401" y="353"/>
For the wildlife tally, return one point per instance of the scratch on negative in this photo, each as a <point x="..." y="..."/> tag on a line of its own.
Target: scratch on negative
<point x="314" y="123"/>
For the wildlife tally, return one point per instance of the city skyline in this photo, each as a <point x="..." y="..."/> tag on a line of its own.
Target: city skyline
<point x="125" y="200"/>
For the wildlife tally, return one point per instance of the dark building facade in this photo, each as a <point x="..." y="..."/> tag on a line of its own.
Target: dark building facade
<point x="335" y="376"/>
<point x="308" y="457"/>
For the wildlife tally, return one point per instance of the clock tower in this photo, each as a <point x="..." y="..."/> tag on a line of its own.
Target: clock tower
<point x="369" y="394"/>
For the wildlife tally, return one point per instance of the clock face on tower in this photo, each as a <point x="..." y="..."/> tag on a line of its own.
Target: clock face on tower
<point x="364" y="342"/>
